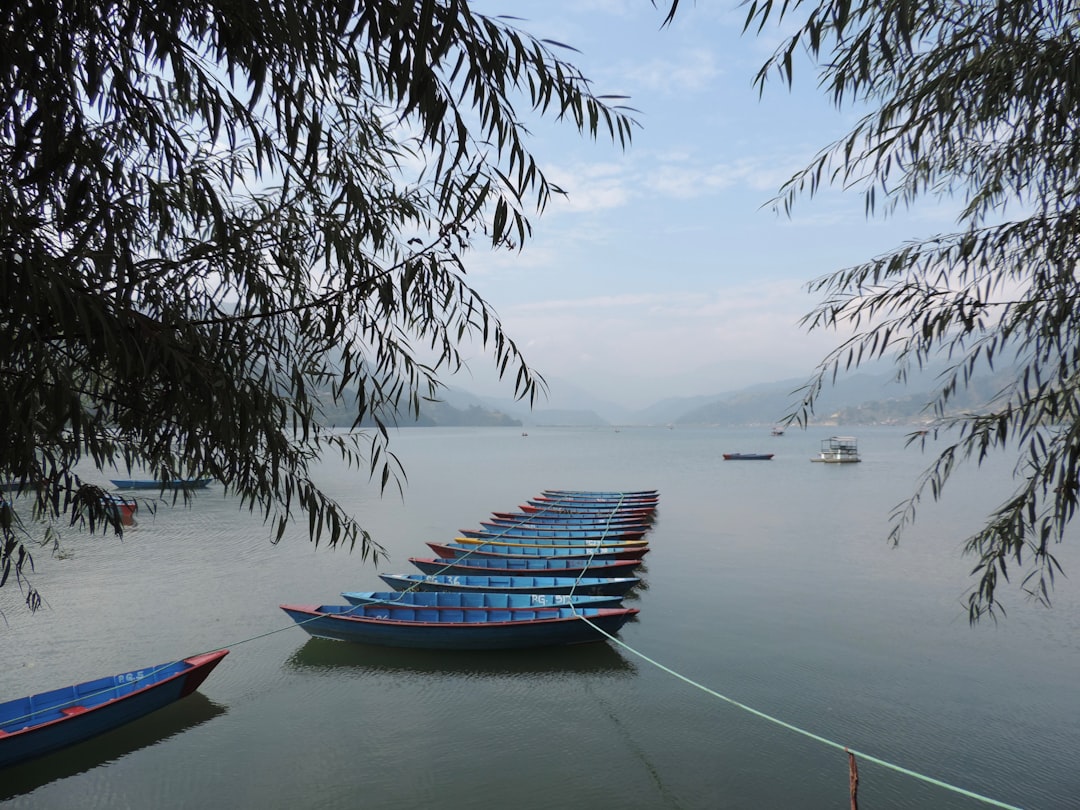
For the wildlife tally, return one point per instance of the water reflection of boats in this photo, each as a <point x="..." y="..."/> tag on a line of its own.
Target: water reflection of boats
<point x="165" y="723"/>
<point x="323" y="655"/>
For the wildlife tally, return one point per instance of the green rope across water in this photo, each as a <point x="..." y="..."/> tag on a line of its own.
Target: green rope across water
<point x="816" y="737"/>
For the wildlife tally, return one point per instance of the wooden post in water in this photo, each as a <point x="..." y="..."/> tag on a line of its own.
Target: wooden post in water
<point x="853" y="780"/>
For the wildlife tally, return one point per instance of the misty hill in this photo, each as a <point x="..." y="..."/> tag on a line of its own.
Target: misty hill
<point x="860" y="398"/>
<point x="584" y="411"/>
<point x="432" y="414"/>
<point x="855" y="399"/>
<point x="873" y="396"/>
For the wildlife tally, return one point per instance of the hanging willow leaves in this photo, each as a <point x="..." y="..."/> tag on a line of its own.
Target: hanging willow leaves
<point x="219" y="219"/>
<point x="975" y="101"/>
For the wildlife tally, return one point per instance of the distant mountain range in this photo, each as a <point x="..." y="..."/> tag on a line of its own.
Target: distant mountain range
<point x="861" y="398"/>
<point x="857" y="399"/>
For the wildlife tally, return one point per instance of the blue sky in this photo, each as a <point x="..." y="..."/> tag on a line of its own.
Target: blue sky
<point x="666" y="272"/>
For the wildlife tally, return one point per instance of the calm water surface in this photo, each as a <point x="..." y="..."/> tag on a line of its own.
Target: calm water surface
<point x="769" y="583"/>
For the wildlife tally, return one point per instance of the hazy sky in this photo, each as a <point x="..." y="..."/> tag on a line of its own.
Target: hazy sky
<point x="666" y="271"/>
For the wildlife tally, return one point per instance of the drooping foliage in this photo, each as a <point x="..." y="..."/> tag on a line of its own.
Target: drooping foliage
<point x="973" y="101"/>
<point x="218" y="216"/>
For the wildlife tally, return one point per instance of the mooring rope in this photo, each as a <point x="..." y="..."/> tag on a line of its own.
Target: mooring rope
<point x="816" y="737"/>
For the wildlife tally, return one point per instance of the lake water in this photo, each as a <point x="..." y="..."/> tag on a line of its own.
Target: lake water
<point x="769" y="583"/>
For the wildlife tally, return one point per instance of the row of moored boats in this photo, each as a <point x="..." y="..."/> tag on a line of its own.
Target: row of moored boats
<point x="553" y="572"/>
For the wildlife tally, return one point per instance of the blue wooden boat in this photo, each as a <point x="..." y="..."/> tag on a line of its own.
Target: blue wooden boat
<point x="477" y="536"/>
<point x="511" y="584"/>
<point x="564" y="517"/>
<point x="612" y="535"/>
<point x="493" y="566"/>
<point x="616" y="497"/>
<point x="461" y="629"/>
<point x="41" y="723"/>
<point x="570" y="510"/>
<point x="612" y="507"/>
<point x="150" y="483"/>
<point x="550" y="542"/>
<point x="586" y="493"/>
<point x="539" y="520"/>
<point x="586" y="532"/>
<point x="446" y="600"/>
<point x="748" y="456"/>
<point x="474" y="550"/>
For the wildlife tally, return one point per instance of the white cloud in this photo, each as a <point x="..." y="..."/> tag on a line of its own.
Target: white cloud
<point x="694" y="71"/>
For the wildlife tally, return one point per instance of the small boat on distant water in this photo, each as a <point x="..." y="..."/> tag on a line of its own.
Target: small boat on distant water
<point x="39" y="724"/>
<point x="511" y="584"/>
<point x="459" y="629"/>
<point x="748" y="456"/>
<point x="839" y="450"/>
<point x="151" y="483"/>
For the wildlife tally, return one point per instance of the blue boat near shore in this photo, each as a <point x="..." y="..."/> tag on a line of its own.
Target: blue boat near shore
<point x="455" y="600"/>
<point x="495" y="566"/>
<point x="459" y="629"/>
<point x="616" y="586"/>
<point x="39" y="724"/>
<point x="488" y="550"/>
